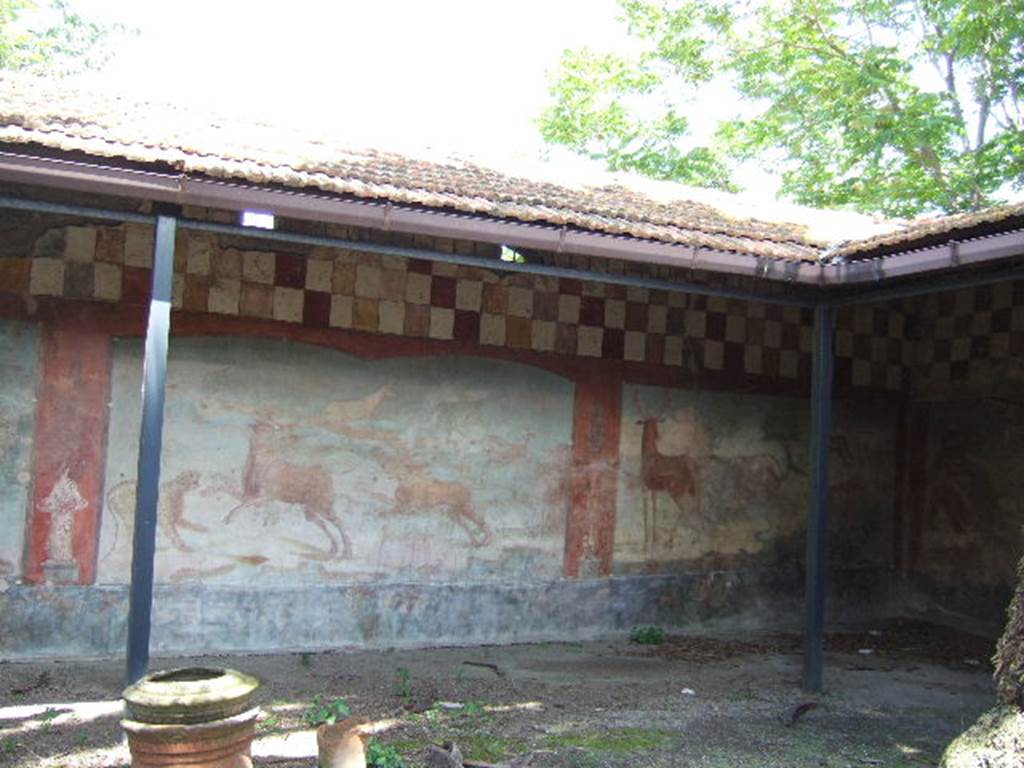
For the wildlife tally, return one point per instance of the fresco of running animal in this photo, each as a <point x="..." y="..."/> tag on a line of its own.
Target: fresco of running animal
<point x="417" y="491"/>
<point x="316" y="465"/>
<point x="171" y="517"/>
<point x="268" y="477"/>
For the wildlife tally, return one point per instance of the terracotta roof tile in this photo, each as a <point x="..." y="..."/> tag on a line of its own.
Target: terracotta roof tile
<point x="915" y="231"/>
<point x="68" y="118"/>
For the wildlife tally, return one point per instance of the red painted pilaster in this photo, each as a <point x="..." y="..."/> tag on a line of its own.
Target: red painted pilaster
<point x="590" y="530"/>
<point x="69" y="449"/>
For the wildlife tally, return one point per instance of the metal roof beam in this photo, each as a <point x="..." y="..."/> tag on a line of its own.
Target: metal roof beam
<point x="412" y="253"/>
<point x="313" y="205"/>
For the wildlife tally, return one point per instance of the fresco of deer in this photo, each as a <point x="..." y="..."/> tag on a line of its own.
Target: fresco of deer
<point x="677" y="474"/>
<point x="340" y="414"/>
<point x="417" y="491"/>
<point x="319" y="466"/>
<point x="266" y="478"/>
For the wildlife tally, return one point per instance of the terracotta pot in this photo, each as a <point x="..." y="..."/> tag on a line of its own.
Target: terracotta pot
<point x="219" y="744"/>
<point x="189" y="695"/>
<point x="195" y="717"/>
<point x="342" y="745"/>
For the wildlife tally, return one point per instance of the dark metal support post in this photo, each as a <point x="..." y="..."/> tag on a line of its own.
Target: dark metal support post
<point x="147" y="491"/>
<point x="817" y="513"/>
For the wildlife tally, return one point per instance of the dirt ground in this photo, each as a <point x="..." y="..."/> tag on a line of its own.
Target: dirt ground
<point x="691" y="701"/>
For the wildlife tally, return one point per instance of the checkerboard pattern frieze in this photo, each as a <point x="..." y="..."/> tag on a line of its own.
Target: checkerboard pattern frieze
<point x="963" y="336"/>
<point x="871" y="346"/>
<point x="350" y="289"/>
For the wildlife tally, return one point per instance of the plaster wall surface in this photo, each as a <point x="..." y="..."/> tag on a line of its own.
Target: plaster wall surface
<point x="383" y="451"/>
<point x="967" y="523"/>
<point x="717" y="479"/>
<point x="75" y="621"/>
<point x="964" y="522"/>
<point x="286" y="463"/>
<point x="19" y="370"/>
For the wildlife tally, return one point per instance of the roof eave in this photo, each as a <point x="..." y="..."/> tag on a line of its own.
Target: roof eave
<point x="950" y="255"/>
<point x="182" y="189"/>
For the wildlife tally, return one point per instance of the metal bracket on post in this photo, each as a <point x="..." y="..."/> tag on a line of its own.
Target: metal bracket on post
<point x="147" y="491"/>
<point x="817" y="513"/>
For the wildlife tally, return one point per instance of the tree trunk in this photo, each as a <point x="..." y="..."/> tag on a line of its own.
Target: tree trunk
<point x="1009" y="658"/>
<point x="996" y="740"/>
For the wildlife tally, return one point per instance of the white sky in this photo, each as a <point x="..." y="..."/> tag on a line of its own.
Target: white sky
<point x="457" y="76"/>
<point x="454" y="74"/>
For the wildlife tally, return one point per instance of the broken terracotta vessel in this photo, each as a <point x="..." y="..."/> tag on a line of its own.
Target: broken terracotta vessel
<point x="342" y="745"/>
<point x="195" y="717"/>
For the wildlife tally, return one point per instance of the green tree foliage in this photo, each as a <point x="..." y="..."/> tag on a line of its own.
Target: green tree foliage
<point x="50" y="37"/>
<point x="895" y="106"/>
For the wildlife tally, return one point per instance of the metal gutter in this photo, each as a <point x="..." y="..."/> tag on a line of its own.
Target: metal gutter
<point x="107" y="214"/>
<point x="944" y="282"/>
<point x="950" y="255"/>
<point x="309" y="205"/>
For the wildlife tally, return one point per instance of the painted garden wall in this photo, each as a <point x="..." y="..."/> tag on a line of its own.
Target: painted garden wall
<point x="718" y="480"/>
<point x="964" y="488"/>
<point x="366" y="450"/>
<point x="284" y="464"/>
<point x="970" y="507"/>
<point x="19" y="358"/>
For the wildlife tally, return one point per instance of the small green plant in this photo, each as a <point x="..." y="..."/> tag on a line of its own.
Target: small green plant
<point x="326" y="713"/>
<point x="403" y="683"/>
<point x="487" y="747"/>
<point x="47" y="718"/>
<point x="9" y="745"/>
<point x="472" y="709"/>
<point x="81" y="738"/>
<point x="306" y="660"/>
<point x="383" y="755"/>
<point x="621" y="740"/>
<point x="270" y="723"/>
<point x="650" y="635"/>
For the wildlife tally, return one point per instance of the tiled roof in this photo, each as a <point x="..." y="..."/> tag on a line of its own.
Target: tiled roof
<point x="67" y="118"/>
<point x="916" y="231"/>
<point x="113" y="126"/>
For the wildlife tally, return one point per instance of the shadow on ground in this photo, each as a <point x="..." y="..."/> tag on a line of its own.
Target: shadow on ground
<point x="896" y="695"/>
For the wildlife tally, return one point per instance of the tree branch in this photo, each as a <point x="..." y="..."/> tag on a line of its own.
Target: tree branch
<point x="1015" y="97"/>
<point x="816" y="23"/>
<point x="958" y="110"/>
<point x="983" y="112"/>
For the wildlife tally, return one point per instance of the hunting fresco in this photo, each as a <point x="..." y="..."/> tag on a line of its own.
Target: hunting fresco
<point x="288" y="463"/>
<point x="712" y="476"/>
<point x="19" y="356"/>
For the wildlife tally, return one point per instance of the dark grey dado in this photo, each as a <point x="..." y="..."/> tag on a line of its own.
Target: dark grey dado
<point x="68" y="622"/>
